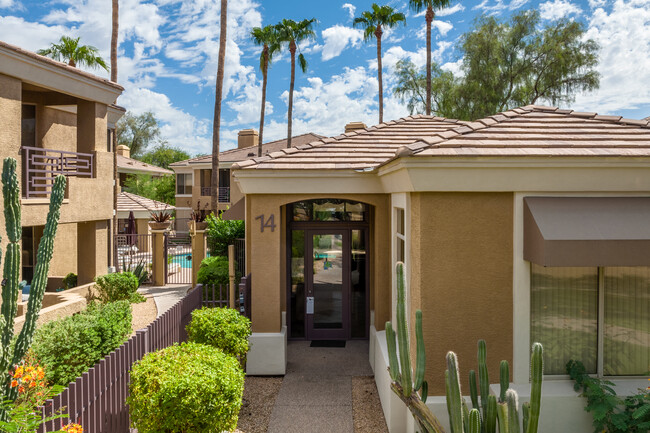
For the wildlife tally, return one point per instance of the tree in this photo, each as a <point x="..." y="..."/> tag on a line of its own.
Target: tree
<point x="216" y="124"/>
<point x="163" y="154"/>
<point x="508" y="65"/>
<point x="411" y="87"/>
<point x="292" y="33"/>
<point x="431" y="6"/>
<point x="137" y="132"/>
<point x="68" y="50"/>
<point x="162" y="189"/>
<point x="373" y="23"/>
<point x="115" y="18"/>
<point x="268" y="37"/>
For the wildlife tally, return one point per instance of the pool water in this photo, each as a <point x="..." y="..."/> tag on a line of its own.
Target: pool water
<point x="185" y="260"/>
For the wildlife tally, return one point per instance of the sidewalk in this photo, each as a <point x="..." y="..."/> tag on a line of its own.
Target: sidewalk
<point x="316" y="393"/>
<point x="166" y="296"/>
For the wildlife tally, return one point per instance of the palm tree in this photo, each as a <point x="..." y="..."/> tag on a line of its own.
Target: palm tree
<point x="293" y="33"/>
<point x="114" y="34"/>
<point x="268" y="37"/>
<point x="216" y="124"/>
<point x="69" y="50"/>
<point x="430" y="5"/>
<point x="373" y="23"/>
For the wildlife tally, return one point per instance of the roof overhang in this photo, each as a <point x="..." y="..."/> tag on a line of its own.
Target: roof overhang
<point x="31" y="68"/>
<point x="587" y="231"/>
<point x="260" y="181"/>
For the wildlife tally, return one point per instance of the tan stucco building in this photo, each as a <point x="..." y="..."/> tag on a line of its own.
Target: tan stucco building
<point x="56" y="118"/>
<point x="529" y="225"/>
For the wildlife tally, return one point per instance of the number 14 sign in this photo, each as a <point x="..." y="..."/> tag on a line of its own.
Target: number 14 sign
<point x="266" y="223"/>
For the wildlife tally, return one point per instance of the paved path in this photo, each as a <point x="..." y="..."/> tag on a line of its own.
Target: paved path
<point x="316" y="393"/>
<point x="166" y="296"/>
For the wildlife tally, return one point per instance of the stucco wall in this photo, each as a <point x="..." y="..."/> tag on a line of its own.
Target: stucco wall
<point x="56" y="129"/>
<point x="267" y="261"/>
<point x="64" y="257"/>
<point x="462" y="249"/>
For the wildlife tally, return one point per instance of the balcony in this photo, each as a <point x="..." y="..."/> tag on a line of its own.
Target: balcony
<point x="41" y="166"/>
<point x="224" y="193"/>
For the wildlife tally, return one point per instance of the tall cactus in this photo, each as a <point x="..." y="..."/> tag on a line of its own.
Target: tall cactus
<point x="11" y="353"/>
<point x="400" y="372"/>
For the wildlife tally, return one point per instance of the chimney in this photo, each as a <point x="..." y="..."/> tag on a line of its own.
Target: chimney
<point x="124" y="151"/>
<point x="247" y="138"/>
<point x="352" y="126"/>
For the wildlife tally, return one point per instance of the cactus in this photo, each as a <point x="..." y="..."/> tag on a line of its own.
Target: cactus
<point x="504" y="379"/>
<point x="454" y="395"/>
<point x="401" y="373"/>
<point x="12" y="353"/>
<point x="474" y="421"/>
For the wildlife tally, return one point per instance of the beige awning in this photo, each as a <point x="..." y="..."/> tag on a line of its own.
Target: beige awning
<point x="587" y="231"/>
<point x="236" y="211"/>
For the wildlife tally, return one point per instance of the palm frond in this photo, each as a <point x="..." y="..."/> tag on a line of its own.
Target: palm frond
<point x="302" y="62"/>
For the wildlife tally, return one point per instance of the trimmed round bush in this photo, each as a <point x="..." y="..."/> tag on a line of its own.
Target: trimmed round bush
<point x="117" y="287"/>
<point x="214" y="270"/>
<point x="69" y="346"/>
<point x="187" y="388"/>
<point x="223" y="328"/>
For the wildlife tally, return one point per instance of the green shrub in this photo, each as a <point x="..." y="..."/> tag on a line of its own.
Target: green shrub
<point x="214" y="270"/>
<point x="70" y="281"/>
<point x="191" y="388"/>
<point x="117" y="287"/>
<point x="223" y="328"/>
<point x="222" y="233"/>
<point x="69" y="346"/>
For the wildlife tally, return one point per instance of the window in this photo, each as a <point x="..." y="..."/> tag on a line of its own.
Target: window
<point x="184" y="183"/>
<point x="328" y="210"/>
<point x="598" y="316"/>
<point x="400" y="238"/>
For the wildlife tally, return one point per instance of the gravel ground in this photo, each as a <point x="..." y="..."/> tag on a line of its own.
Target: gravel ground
<point x="259" y="398"/>
<point x="366" y="407"/>
<point x="144" y="313"/>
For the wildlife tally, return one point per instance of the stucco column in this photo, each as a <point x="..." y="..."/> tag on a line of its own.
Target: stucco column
<point x="159" y="265"/>
<point x="91" y="126"/>
<point x="198" y="254"/>
<point x="86" y="252"/>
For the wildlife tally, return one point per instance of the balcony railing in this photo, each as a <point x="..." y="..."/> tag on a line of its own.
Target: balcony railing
<point x="41" y="166"/>
<point x="224" y="193"/>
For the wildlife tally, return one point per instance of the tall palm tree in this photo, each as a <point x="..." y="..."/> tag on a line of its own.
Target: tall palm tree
<point x="69" y="50"/>
<point x="431" y="6"/>
<point x="268" y="37"/>
<point x="114" y="34"/>
<point x="216" y="124"/>
<point x="373" y="22"/>
<point x="293" y="33"/>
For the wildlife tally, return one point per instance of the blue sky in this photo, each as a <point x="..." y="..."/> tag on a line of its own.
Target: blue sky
<point x="168" y="57"/>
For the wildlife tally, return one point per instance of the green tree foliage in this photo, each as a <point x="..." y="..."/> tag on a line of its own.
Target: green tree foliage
<point x="137" y="131"/>
<point x="222" y="233"/>
<point x="373" y="22"/>
<point x="162" y="189"/>
<point x="163" y="154"/>
<point x="507" y="65"/>
<point x="68" y="50"/>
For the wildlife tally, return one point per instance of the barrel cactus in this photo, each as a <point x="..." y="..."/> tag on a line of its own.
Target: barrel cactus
<point x="14" y="347"/>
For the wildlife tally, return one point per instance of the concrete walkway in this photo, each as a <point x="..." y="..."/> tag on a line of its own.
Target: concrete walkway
<point x="166" y="296"/>
<point x="316" y="393"/>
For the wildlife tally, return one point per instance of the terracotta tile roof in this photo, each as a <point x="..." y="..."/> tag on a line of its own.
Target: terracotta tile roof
<point x="525" y="131"/>
<point x="234" y="155"/>
<point x="129" y="165"/>
<point x="132" y="202"/>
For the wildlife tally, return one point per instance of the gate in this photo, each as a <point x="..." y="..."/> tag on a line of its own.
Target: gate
<point x="133" y="253"/>
<point x="178" y="256"/>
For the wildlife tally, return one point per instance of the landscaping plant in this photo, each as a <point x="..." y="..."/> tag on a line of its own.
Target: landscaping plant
<point x="117" y="287"/>
<point x="69" y="346"/>
<point x="139" y="270"/>
<point x="611" y="413"/>
<point x="70" y="281"/>
<point x="484" y="416"/>
<point x="187" y="388"/>
<point x="13" y="349"/>
<point x="222" y="233"/>
<point x="223" y="328"/>
<point x="215" y="271"/>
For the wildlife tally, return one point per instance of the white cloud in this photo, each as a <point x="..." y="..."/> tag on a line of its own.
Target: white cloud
<point x="351" y="9"/>
<point x="451" y="10"/>
<point x="624" y="37"/>
<point x="442" y="26"/>
<point x="10" y="4"/>
<point x="555" y="9"/>
<point x="597" y="3"/>
<point x="499" y="6"/>
<point x="337" y="38"/>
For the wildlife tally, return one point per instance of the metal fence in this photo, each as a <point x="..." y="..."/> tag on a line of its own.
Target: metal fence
<point x="218" y="295"/>
<point x="97" y="399"/>
<point x="132" y="251"/>
<point x="240" y="255"/>
<point x="178" y="256"/>
<point x="41" y="166"/>
<point x="224" y="193"/>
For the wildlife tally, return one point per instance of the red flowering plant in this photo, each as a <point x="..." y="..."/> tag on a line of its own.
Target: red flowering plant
<point x="29" y="378"/>
<point x="72" y="428"/>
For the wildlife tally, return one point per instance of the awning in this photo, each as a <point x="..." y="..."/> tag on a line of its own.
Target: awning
<point x="236" y="211"/>
<point x="587" y="231"/>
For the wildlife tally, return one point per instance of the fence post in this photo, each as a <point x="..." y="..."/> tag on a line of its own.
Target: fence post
<point x="231" y="274"/>
<point x="198" y="254"/>
<point x="159" y="265"/>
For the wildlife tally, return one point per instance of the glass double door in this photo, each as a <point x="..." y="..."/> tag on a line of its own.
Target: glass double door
<point x="328" y="298"/>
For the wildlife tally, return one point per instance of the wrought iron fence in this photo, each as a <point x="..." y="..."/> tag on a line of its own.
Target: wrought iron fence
<point x="224" y="193"/>
<point x="132" y="251"/>
<point x="218" y="295"/>
<point x="178" y="256"/>
<point x="41" y="166"/>
<point x="240" y="255"/>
